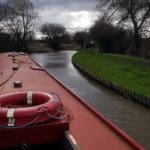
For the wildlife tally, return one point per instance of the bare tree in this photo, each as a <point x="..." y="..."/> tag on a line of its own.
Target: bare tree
<point x="20" y="20"/>
<point x="81" y="38"/>
<point x="2" y="9"/>
<point x="131" y="12"/>
<point x="3" y="14"/>
<point x="55" y="34"/>
<point x="53" y="30"/>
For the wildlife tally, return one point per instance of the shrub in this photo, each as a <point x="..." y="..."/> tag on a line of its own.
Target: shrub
<point x="110" y="39"/>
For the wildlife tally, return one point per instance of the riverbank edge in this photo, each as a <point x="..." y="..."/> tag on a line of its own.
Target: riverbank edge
<point x="141" y="99"/>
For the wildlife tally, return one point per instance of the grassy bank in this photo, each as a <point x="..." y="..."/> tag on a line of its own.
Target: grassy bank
<point x="128" y="72"/>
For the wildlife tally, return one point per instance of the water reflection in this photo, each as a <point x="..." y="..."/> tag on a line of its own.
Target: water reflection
<point x="129" y="116"/>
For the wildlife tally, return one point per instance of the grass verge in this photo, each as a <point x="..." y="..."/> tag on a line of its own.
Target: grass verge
<point x="128" y="72"/>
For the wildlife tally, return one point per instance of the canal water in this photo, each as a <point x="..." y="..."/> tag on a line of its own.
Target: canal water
<point x="131" y="117"/>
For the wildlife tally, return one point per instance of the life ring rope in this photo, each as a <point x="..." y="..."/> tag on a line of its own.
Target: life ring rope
<point x="58" y="110"/>
<point x="11" y="120"/>
<point x="57" y="117"/>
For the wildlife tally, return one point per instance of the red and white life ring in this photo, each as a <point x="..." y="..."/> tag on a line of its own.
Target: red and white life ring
<point x="24" y="108"/>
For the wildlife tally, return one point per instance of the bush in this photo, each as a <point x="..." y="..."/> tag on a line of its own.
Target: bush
<point x="110" y="39"/>
<point x="54" y="43"/>
<point x="6" y="42"/>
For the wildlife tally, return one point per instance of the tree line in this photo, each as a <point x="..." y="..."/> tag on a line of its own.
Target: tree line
<point x="122" y="27"/>
<point x="132" y="16"/>
<point x="17" y="20"/>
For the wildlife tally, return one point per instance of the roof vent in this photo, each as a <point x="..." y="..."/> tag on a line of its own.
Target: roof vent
<point x="15" y="68"/>
<point x="17" y="84"/>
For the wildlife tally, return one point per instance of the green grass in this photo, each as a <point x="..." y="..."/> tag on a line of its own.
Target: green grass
<point x="128" y="72"/>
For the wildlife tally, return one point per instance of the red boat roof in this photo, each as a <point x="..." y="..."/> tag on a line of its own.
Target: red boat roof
<point x="91" y="130"/>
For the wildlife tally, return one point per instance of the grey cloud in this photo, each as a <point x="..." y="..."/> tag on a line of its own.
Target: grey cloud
<point x="74" y="5"/>
<point x="73" y="14"/>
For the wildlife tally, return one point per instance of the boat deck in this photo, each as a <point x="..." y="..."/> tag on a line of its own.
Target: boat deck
<point x="90" y="129"/>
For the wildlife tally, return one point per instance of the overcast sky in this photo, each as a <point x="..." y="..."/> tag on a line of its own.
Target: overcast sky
<point x="75" y="15"/>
